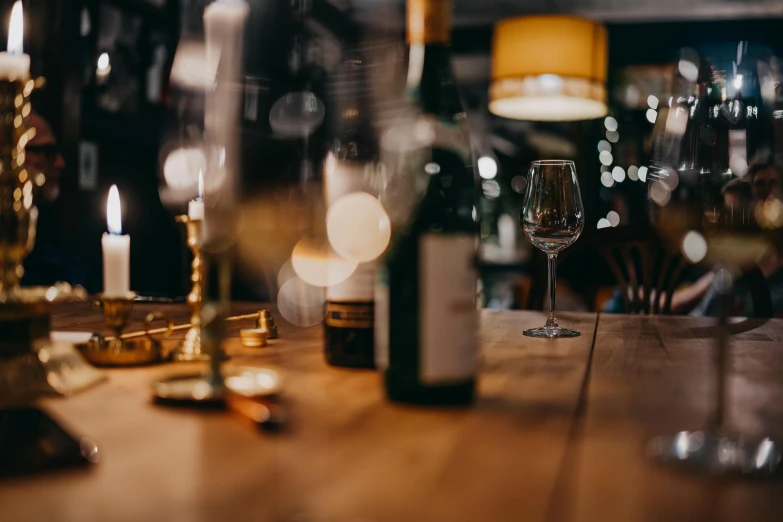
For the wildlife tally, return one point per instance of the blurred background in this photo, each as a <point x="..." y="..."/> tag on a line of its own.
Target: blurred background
<point x="110" y="104"/>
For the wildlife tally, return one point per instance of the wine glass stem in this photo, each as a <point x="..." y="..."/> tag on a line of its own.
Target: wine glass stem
<point x="721" y="349"/>
<point x="552" y="262"/>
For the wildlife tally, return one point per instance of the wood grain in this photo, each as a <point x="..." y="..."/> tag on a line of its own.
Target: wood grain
<point x="350" y="455"/>
<point x="652" y="376"/>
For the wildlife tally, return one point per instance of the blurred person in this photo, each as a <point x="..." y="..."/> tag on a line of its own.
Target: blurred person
<point x="763" y="182"/>
<point x="43" y="155"/>
<point x="766" y="181"/>
<point x="737" y="193"/>
<point x="51" y="259"/>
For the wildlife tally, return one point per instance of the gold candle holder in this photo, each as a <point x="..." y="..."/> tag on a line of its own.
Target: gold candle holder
<point x="120" y="350"/>
<point x="31" y="364"/>
<point x="191" y="349"/>
<point x="18" y="215"/>
<point x="116" y="312"/>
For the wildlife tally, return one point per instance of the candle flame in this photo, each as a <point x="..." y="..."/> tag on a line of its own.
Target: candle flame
<point x="114" y="212"/>
<point x="200" y="184"/>
<point x="16" y="30"/>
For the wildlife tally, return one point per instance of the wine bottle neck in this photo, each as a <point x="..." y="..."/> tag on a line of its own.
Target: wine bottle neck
<point x="428" y="22"/>
<point x="430" y="81"/>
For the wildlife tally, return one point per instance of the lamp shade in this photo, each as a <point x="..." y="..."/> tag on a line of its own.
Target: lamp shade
<point x="548" y="68"/>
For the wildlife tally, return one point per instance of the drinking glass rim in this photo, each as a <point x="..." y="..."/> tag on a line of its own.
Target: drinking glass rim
<point x="552" y="162"/>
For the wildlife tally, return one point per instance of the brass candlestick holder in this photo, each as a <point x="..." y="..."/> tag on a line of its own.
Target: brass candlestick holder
<point x="120" y="350"/>
<point x="191" y="349"/>
<point x="116" y="312"/>
<point x="31" y="363"/>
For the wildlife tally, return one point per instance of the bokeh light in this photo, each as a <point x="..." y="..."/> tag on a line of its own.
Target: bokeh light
<point x="633" y="173"/>
<point x="603" y="223"/>
<point x="318" y="265"/>
<point x="652" y="115"/>
<point x="613" y="218"/>
<point x="652" y="101"/>
<point x="613" y="136"/>
<point x="358" y="227"/>
<point x="518" y="184"/>
<point x="606" y="179"/>
<point x="487" y="167"/>
<point x="660" y="192"/>
<point x="432" y="168"/>
<point x="642" y="173"/>
<point x="694" y="247"/>
<point x="688" y="70"/>
<point x="618" y="174"/>
<point x="604" y="145"/>
<point x="285" y="273"/>
<point x="610" y="124"/>
<point x="605" y="157"/>
<point x="182" y="167"/>
<point x="301" y="304"/>
<point x="491" y="189"/>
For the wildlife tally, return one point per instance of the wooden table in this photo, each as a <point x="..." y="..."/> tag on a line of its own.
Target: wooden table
<point x="557" y="434"/>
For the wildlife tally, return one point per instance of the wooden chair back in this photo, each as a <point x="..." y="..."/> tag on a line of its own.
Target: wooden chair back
<point x="647" y="271"/>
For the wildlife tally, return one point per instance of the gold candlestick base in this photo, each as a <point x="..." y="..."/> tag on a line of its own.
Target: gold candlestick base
<point x="191" y="349"/>
<point x="119" y="351"/>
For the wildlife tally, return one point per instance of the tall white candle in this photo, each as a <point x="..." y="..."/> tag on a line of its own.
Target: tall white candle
<point x="196" y="206"/>
<point x="224" y="24"/>
<point x="15" y="64"/>
<point x="116" y="250"/>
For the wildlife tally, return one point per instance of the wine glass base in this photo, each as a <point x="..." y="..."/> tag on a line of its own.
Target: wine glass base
<point x="551" y="331"/>
<point x="714" y="454"/>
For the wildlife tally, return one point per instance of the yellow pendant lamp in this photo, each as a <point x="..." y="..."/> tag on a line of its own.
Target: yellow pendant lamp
<point x="548" y="68"/>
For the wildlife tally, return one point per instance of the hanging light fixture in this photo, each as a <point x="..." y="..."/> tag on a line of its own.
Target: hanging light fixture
<point x="548" y="68"/>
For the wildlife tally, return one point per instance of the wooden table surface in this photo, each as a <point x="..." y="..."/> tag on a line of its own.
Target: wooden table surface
<point x="557" y="434"/>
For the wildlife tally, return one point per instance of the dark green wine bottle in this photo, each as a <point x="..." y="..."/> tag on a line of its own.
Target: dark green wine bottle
<point x="426" y="317"/>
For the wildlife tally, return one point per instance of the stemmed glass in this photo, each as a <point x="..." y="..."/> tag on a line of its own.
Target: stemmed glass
<point x="552" y="218"/>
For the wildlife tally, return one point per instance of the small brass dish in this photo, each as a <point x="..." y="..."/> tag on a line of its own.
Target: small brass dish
<point x="253" y="337"/>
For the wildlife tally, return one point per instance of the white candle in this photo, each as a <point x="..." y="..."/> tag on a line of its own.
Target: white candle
<point x="116" y="250"/>
<point x="224" y="25"/>
<point x="196" y="206"/>
<point x="15" y="64"/>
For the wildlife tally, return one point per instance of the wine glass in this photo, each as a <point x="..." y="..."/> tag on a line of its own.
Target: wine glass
<point x="716" y="137"/>
<point x="552" y="218"/>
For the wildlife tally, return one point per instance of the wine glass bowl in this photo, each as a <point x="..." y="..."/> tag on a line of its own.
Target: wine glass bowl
<point x="552" y="218"/>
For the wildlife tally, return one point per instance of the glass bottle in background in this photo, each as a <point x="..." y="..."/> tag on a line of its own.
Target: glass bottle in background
<point x="426" y="316"/>
<point x="349" y="169"/>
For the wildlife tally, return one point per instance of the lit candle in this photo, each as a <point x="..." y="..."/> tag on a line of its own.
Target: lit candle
<point x="15" y="64"/>
<point x="116" y="250"/>
<point x="196" y="206"/>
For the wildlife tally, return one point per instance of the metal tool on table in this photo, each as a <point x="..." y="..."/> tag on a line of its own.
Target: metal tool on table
<point x="145" y="346"/>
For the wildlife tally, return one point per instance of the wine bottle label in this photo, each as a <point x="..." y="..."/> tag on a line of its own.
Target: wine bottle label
<point x="429" y="21"/>
<point x="381" y="322"/>
<point x="354" y="315"/>
<point x="449" y="318"/>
